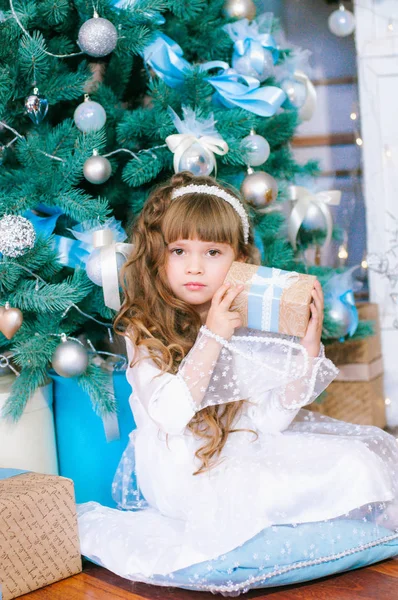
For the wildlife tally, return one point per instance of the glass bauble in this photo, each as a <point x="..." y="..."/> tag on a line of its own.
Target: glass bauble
<point x="93" y="265"/>
<point x="97" y="169"/>
<point x="197" y="159"/>
<point x="262" y="69"/>
<point x="17" y="235"/>
<point x="259" y="189"/>
<point x="295" y="91"/>
<point x="36" y="107"/>
<point x="314" y="227"/>
<point x="257" y="149"/>
<point x="341" y="22"/>
<point x="97" y="37"/>
<point x="240" y="9"/>
<point x="70" y="359"/>
<point x="341" y="315"/>
<point x="89" y="116"/>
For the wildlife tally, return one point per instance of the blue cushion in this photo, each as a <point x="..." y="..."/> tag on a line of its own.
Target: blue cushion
<point x="286" y="554"/>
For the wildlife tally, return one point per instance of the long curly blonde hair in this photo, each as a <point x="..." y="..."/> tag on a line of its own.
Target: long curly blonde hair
<point x="152" y="316"/>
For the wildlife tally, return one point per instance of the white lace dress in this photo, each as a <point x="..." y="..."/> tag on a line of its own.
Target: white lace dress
<point x="299" y="467"/>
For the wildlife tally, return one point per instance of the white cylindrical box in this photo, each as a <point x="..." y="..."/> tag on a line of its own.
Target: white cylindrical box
<point x="29" y="444"/>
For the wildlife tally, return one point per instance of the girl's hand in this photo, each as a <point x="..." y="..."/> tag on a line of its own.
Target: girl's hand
<point x="220" y="319"/>
<point x="312" y="339"/>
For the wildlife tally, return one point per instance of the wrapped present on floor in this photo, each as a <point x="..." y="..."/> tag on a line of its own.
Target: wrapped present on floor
<point x="357" y="394"/>
<point x="90" y="448"/>
<point x="272" y="300"/>
<point x="39" y="541"/>
<point x="29" y="443"/>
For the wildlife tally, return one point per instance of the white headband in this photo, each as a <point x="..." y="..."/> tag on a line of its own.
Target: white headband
<point x="214" y="190"/>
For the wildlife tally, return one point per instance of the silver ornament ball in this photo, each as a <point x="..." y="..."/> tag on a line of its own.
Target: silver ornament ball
<point x="240" y="9"/>
<point x="70" y="359"/>
<point x="341" y="316"/>
<point x="97" y="37"/>
<point x="341" y="22"/>
<point x="259" y="189"/>
<point x="17" y="236"/>
<point x="196" y="159"/>
<point x="314" y="223"/>
<point x="257" y="149"/>
<point x="244" y="65"/>
<point x="36" y="107"/>
<point x="93" y="265"/>
<point x="97" y="169"/>
<point x="89" y="116"/>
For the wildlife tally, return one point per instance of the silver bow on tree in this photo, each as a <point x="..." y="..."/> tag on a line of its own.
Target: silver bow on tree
<point x="303" y="199"/>
<point x="195" y="143"/>
<point x="108" y="254"/>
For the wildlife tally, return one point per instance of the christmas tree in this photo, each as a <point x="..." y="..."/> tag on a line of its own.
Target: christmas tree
<point x="99" y="102"/>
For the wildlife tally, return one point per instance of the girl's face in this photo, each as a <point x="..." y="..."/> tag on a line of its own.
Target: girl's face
<point x="196" y="269"/>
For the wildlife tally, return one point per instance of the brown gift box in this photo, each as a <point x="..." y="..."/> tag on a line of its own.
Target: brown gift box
<point x="39" y="541"/>
<point x="293" y="306"/>
<point x="357" y="394"/>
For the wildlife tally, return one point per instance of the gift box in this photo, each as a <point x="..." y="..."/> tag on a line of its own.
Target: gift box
<point x="29" y="443"/>
<point x="272" y="299"/>
<point x="357" y="394"/>
<point x="39" y="541"/>
<point x="84" y="452"/>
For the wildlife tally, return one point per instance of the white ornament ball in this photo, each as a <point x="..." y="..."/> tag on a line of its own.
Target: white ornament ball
<point x="17" y="236"/>
<point x="89" y="116"/>
<point x="197" y="159"/>
<point x="93" y="265"/>
<point x="240" y="9"/>
<point x="257" y="149"/>
<point x="259" y="189"/>
<point x="262" y="70"/>
<point x="70" y="359"/>
<point x="341" y="22"/>
<point x="97" y="37"/>
<point x="97" y="169"/>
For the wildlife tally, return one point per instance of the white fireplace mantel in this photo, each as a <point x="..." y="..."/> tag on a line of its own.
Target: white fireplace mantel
<point x="377" y="55"/>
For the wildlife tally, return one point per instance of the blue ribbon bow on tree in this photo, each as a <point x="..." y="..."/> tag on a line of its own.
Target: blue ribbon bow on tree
<point x="255" y="50"/>
<point x="242" y="91"/>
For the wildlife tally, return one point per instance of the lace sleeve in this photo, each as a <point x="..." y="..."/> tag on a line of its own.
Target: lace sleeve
<point x="253" y="363"/>
<point x="172" y="400"/>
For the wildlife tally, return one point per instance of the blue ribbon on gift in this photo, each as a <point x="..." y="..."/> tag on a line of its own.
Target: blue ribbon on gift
<point x="264" y="303"/>
<point x="242" y="91"/>
<point x="255" y="302"/>
<point x="7" y="473"/>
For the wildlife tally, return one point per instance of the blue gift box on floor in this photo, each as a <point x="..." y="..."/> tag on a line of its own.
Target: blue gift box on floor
<point x="84" y="454"/>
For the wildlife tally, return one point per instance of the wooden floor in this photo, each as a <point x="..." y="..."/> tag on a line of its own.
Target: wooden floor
<point x="379" y="582"/>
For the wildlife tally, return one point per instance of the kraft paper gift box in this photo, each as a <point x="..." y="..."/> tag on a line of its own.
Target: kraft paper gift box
<point x="357" y="394"/>
<point x="39" y="541"/>
<point x="272" y="300"/>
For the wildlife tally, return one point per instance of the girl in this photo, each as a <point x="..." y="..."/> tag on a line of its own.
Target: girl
<point x="222" y="450"/>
